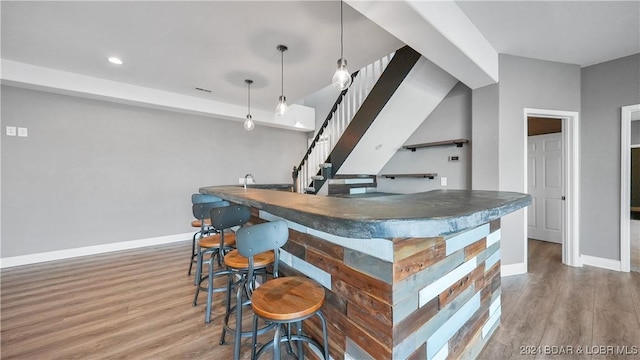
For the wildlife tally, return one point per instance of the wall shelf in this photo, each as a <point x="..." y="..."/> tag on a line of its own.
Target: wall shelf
<point x="456" y="142"/>
<point x="393" y="176"/>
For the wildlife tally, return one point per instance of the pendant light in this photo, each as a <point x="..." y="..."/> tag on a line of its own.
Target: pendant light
<point x="248" y="122"/>
<point x="341" y="79"/>
<point x="282" y="100"/>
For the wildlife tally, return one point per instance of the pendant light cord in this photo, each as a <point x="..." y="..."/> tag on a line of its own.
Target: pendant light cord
<point x="282" y="73"/>
<point x="249" y="96"/>
<point x="341" y="32"/>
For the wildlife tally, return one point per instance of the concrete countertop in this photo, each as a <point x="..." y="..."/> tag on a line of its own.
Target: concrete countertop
<point x="426" y="214"/>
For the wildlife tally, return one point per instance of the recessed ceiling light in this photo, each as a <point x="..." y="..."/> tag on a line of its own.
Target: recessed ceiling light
<point x="115" y="60"/>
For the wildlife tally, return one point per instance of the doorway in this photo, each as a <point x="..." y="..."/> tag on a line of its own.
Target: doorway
<point x="563" y="205"/>
<point x="544" y="179"/>
<point x="629" y="227"/>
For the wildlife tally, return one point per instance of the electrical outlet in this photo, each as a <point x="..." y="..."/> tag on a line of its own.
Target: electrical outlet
<point x="11" y="131"/>
<point x="443" y="181"/>
<point x="454" y="158"/>
<point x="241" y="181"/>
<point x="22" y="132"/>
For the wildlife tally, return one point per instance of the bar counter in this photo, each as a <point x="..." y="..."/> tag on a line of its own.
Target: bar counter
<point x="406" y="276"/>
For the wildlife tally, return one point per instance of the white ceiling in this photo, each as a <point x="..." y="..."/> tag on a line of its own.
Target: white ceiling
<point x="573" y="32"/>
<point x="177" y="46"/>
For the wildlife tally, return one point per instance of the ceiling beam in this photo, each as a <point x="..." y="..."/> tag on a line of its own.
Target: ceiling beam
<point x="441" y="32"/>
<point x="62" y="82"/>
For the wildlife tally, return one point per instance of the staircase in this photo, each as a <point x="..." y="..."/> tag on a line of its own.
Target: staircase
<point x="421" y="85"/>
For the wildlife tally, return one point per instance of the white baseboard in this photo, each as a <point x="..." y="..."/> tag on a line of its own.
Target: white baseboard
<point x="90" y="250"/>
<point x="513" y="269"/>
<point x="601" y="262"/>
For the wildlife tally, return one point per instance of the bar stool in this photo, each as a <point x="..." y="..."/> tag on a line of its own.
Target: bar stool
<point x="203" y="223"/>
<point x="281" y="301"/>
<point x="215" y="246"/>
<point x="239" y="265"/>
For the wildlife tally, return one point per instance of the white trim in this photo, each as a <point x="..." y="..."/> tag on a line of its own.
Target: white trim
<point x="40" y="78"/>
<point x="513" y="269"/>
<point x="571" y="181"/>
<point x="90" y="250"/>
<point x="601" y="262"/>
<point x="625" y="175"/>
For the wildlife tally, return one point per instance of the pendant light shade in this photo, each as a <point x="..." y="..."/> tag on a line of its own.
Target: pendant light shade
<point x="282" y="107"/>
<point x="249" y="124"/>
<point x="341" y="79"/>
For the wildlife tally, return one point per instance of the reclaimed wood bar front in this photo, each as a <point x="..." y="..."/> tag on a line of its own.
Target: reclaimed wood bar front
<point x="407" y="276"/>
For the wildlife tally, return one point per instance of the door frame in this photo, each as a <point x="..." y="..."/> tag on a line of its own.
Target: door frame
<point x="542" y="139"/>
<point x="625" y="183"/>
<point x="571" y="181"/>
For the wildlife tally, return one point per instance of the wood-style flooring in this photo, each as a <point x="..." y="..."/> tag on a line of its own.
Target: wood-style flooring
<point x="561" y="306"/>
<point x="127" y="305"/>
<point x="137" y="305"/>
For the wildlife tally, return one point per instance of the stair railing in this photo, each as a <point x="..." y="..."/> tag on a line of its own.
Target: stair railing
<point x="339" y="117"/>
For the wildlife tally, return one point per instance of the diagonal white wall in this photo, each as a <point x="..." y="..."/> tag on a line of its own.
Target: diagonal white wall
<point x="422" y="90"/>
<point x="440" y="31"/>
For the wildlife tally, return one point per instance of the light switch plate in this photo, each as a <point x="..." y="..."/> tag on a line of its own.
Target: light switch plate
<point x="11" y="131"/>
<point x="22" y="132"/>
<point x="443" y="181"/>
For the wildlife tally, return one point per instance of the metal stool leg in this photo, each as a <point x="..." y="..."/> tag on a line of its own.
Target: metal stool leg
<point x="207" y="316"/>
<point x="193" y="253"/>
<point x="325" y="335"/>
<point x="276" y="342"/>
<point x="228" y="308"/>
<point x="238" y="334"/>
<point x="299" y="332"/>
<point x="196" y="280"/>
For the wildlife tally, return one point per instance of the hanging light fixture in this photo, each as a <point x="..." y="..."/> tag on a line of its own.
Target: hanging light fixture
<point x="282" y="100"/>
<point x="341" y="79"/>
<point x="248" y="122"/>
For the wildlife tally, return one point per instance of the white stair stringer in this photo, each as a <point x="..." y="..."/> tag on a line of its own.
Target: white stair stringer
<point x="422" y="90"/>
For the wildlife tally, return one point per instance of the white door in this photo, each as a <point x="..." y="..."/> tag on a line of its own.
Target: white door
<point x="545" y="187"/>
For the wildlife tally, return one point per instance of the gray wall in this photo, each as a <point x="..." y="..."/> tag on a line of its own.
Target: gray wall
<point x="635" y="132"/>
<point x="526" y="83"/>
<point x="322" y="101"/>
<point x="606" y="87"/>
<point x="451" y="119"/>
<point x="484" y="138"/>
<point x="94" y="172"/>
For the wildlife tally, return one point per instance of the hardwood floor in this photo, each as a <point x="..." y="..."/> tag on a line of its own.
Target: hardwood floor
<point x="137" y="305"/>
<point x="127" y="305"/>
<point x="561" y="306"/>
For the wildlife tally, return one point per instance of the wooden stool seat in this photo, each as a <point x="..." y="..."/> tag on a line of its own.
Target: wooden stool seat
<point x="287" y="298"/>
<point x="198" y="223"/>
<point x="213" y="241"/>
<point x="234" y="260"/>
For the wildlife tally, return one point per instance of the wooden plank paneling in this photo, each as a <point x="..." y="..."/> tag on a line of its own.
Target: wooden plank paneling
<point x="412" y="323"/>
<point x="405" y="247"/>
<point x="420" y="353"/>
<point x="418" y="261"/>
<point x="475" y="248"/>
<point x="453" y="291"/>
<point x="463" y="337"/>
<point x="319" y="245"/>
<point x="494" y="225"/>
<point x="363" y="282"/>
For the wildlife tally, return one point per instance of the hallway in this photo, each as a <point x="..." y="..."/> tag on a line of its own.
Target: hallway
<point x="557" y="305"/>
